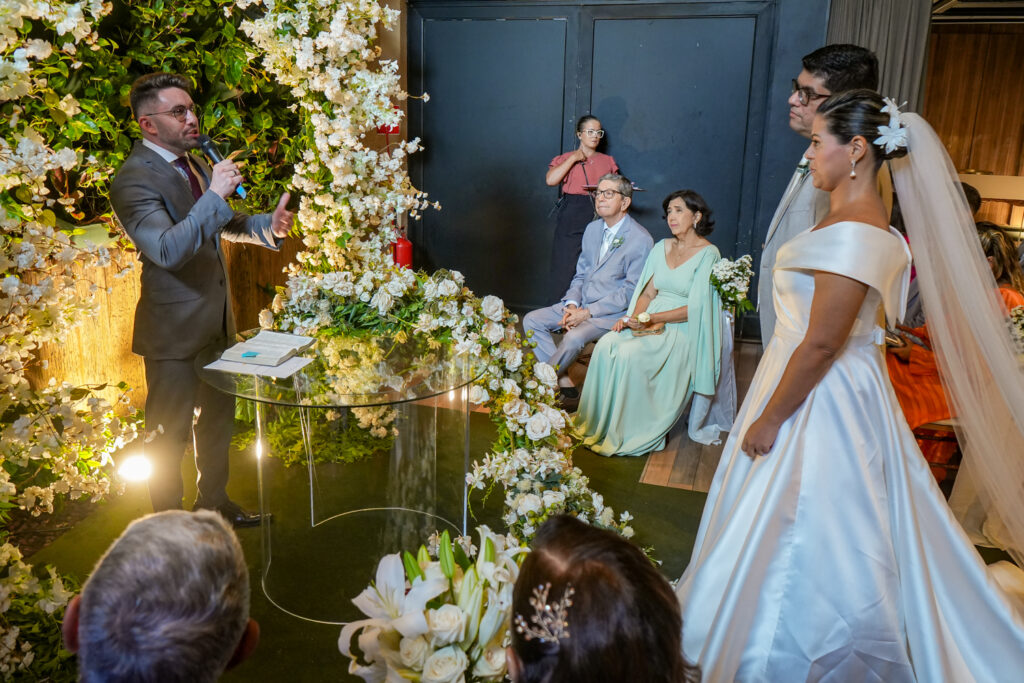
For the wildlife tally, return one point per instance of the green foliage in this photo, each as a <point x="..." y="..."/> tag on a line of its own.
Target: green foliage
<point x="241" y="107"/>
<point x="334" y="438"/>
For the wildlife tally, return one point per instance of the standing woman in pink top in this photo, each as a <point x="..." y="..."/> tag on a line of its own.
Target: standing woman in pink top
<point x="574" y="171"/>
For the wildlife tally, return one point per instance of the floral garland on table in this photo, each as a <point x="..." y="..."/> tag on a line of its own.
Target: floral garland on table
<point x="732" y="280"/>
<point x="56" y="441"/>
<point x="345" y="282"/>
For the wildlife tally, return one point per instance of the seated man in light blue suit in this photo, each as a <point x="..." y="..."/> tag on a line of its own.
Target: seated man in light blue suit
<point x="614" y="250"/>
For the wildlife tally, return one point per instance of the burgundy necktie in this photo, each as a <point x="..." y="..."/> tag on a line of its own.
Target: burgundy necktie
<point x="193" y="181"/>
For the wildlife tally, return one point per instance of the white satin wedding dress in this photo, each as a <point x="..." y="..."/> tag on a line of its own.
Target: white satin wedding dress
<point x="834" y="557"/>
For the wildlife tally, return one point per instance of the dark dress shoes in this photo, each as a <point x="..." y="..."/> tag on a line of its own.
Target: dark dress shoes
<point x="233" y="513"/>
<point x="568" y="399"/>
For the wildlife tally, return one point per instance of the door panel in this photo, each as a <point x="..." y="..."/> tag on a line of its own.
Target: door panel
<point x="672" y="94"/>
<point x="490" y="128"/>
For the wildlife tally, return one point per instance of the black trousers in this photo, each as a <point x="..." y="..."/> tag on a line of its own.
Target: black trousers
<point x="575" y="212"/>
<point x="188" y="408"/>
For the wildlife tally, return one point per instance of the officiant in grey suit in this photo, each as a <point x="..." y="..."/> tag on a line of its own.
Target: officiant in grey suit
<point x="827" y="70"/>
<point x="614" y="250"/>
<point x="173" y="207"/>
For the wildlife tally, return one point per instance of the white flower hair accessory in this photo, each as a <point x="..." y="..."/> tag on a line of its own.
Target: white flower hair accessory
<point x="894" y="135"/>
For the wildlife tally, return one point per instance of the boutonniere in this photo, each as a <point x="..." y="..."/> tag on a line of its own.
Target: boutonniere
<point x="617" y="242"/>
<point x="803" y="167"/>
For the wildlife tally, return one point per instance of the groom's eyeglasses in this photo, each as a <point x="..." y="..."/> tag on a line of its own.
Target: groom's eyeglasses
<point x="180" y="112"/>
<point x="607" y="194"/>
<point x="806" y="95"/>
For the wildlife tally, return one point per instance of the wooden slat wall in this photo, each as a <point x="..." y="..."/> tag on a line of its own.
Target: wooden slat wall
<point x="974" y="98"/>
<point x="99" y="350"/>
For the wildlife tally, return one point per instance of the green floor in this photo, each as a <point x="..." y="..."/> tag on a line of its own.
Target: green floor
<point x="296" y="650"/>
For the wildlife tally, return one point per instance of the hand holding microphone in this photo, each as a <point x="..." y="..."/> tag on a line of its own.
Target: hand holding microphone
<point x="226" y="176"/>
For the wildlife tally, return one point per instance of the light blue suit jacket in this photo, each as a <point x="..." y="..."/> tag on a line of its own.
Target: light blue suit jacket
<point x="604" y="285"/>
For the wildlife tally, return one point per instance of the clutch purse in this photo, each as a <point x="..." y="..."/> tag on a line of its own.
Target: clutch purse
<point x="649" y="331"/>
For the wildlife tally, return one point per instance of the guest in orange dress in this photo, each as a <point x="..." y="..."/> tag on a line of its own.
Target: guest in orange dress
<point x="912" y="369"/>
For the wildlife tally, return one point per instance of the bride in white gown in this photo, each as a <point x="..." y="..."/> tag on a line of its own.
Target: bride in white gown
<point x="826" y="551"/>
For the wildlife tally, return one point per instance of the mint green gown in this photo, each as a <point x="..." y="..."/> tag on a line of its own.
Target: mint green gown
<point x="637" y="387"/>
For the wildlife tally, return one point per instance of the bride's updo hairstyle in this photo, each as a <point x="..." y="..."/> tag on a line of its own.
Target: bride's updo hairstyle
<point x="614" y="618"/>
<point x="859" y="112"/>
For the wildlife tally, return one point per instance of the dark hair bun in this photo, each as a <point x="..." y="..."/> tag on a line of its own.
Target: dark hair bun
<point x="859" y="112"/>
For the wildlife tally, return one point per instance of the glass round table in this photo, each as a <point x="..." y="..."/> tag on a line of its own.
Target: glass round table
<point x="361" y="452"/>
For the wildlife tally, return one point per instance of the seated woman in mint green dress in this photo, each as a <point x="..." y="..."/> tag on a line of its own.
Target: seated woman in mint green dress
<point x="643" y="374"/>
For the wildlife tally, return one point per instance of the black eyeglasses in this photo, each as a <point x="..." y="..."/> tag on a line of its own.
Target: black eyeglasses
<point x="607" y="194"/>
<point x="180" y="112"/>
<point x="806" y="95"/>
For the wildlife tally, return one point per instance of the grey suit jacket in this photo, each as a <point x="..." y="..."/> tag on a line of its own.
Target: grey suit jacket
<point x="800" y="209"/>
<point x="185" y="302"/>
<point x="604" y="286"/>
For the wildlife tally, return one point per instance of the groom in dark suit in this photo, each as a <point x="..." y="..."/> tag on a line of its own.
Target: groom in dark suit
<point x="173" y="207"/>
<point x="614" y="250"/>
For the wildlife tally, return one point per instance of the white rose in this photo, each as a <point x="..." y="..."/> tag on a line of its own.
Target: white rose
<point x="383" y="300"/>
<point x="492" y="307"/>
<point x="517" y="410"/>
<point x="447" y="288"/>
<point x="491" y="663"/>
<point x="510" y="387"/>
<point x="445" y="666"/>
<point x="478" y="395"/>
<point x="266" y="319"/>
<point x="553" y="415"/>
<point x="414" y="651"/>
<point x="513" y="359"/>
<point x="546" y="374"/>
<point x="529" y="502"/>
<point x="493" y="332"/>
<point x="447" y="624"/>
<point x="538" y="427"/>
<point x="553" y="499"/>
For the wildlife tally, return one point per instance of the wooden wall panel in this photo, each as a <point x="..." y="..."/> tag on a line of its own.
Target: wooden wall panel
<point x="974" y="98"/>
<point x="99" y="350"/>
<point x="953" y="92"/>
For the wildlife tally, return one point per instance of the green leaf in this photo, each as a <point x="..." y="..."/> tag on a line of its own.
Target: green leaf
<point x="445" y="555"/>
<point x="412" y="568"/>
<point x="234" y="71"/>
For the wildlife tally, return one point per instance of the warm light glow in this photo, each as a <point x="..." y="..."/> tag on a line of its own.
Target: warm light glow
<point x="451" y="395"/>
<point x="135" y="468"/>
<point x="259" y="449"/>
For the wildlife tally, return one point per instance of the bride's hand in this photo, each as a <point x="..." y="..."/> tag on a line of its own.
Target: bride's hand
<point x="760" y="437"/>
<point x="619" y="325"/>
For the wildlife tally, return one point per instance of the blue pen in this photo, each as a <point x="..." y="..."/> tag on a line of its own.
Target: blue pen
<point x="250" y="354"/>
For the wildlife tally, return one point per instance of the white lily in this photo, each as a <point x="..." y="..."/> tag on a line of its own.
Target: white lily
<point x="387" y="598"/>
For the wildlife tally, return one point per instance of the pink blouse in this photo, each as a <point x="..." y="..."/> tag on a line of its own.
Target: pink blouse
<point x="584" y="173"/>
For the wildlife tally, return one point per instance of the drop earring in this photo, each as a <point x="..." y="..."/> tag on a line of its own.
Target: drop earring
<point x="853" y="168"/>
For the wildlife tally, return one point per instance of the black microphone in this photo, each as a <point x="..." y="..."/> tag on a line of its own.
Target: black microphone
<point x="211" y="151"/>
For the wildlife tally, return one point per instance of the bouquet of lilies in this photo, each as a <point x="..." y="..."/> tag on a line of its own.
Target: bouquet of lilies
<point x="440" y="616"/>
<point x="732" y="280"/>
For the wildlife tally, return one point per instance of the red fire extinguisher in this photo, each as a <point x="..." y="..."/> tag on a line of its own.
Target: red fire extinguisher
<point x="402" y="252"/>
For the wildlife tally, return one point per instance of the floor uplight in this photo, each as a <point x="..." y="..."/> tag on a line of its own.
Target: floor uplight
<point x="135" y="468"/>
